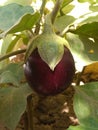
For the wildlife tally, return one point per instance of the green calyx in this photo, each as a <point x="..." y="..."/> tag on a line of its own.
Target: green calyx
<point x="49" y="45"/>
<point x="51" y="51"/>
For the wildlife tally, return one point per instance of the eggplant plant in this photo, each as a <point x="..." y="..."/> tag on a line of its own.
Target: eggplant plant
<point x="43" y="53"/>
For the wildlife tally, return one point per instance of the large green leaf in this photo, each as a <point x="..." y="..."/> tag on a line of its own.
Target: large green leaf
<point x="25" y="23"/>
<point x="86" y="106"/>
<point x="89" y="30"/>
<point x="63" y="22"/>
<point x="90" y="47"/>
<point x="13" y="94"/>
<point x="13" y="104"/>
<point x="84" y="49"/>
<point x="87" y="18"/>
<point x="11" y="13"/>
<point x="90" y="18"/>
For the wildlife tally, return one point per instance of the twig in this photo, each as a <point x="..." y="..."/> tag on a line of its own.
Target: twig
<point x="41" y="13"/>
<point x="55" y="10"/>
<point x="12" y="54"/>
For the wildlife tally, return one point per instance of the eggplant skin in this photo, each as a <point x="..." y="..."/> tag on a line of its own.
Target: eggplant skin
<point x="45" y="81"/>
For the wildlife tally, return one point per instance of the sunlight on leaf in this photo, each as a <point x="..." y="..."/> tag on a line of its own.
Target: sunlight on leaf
<point x="88" y="30"/>
<point x="63" y="22"/>
<point x="90" y="1"/>
<point x="67" y="9"/>
<point x="79" y="9"/>
<point x="88" y="18"/>
<point x="5" y="44"/>
<point x="21" y="2"/>
<point x="25" y="23"/>
<point x="11" y="13"/>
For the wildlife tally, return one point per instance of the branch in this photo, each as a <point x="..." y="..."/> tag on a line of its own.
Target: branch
<point x="41" y="13"/>
<point x="12" y="54"/>
<point x="55" y="10"/>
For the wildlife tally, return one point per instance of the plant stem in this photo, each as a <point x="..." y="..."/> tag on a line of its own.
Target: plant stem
<point x="25" y="121"/>
<point x="12" y="54"/>
<point x="55" y="10"/>
<point x="42" y="7"/>
<point x="29" y="113"/>
<point x="41" y="13"/>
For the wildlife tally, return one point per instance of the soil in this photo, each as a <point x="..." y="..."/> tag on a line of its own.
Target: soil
<point x="52" y="112"/>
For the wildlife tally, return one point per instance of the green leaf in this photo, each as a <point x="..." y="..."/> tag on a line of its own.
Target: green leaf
<point x="5" y="44"/>
<point x="25" y="23"/>
<point x="18" y="41"/>
<point x="90" y="30"/>
<point x="89" y="18"/>
<point x="12" y="44"/>
<point x="11" y="13"/>
<point x="63" y="22"/>
<point x="80" y="127"/>
<point x="13" y="104"/>
<point x="81" y="47"/>
<point x="91" y="47"/>
<point x="90" y="1"/>
<point x="86" y="106"/>
<point x="94" y="8"/>
<point x="7" y="77"/>
<point x="66" y="2"/>
<point x="21" y="2"/>
<point x="88" y="35"/>
<point x="68" y="8"/>
<point x="12" y="73"/>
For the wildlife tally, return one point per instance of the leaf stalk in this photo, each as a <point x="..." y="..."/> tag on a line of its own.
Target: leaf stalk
<point x="12" y="54"/>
